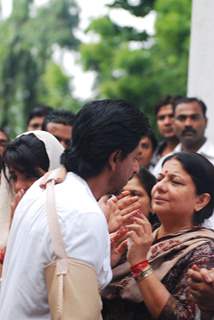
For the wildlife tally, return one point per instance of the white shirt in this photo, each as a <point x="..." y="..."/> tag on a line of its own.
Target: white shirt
<point x="85" y="233"/>
<point x="206" y="150"/>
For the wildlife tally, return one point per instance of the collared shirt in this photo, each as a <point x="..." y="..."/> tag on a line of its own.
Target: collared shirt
<point x="85" y="233"/>
<point x="206" y="150"/>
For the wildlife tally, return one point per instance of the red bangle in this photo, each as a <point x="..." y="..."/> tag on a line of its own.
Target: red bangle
<point x="140" y="266"/>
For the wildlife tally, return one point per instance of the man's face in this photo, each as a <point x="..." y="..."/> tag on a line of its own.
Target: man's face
<point x="3" y="142"/>
<point x="61" y="131"/>
<point x="190" y="123"/>
<point x="124" y="169"/>
<point x="165" y="121"/>
<point x="35" y="124"/>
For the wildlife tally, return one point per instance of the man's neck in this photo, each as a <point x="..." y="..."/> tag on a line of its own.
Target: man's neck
<point x="193" y="147"/>
<point x="98" y="185"/>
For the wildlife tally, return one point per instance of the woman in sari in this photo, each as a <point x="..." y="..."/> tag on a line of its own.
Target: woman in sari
<point x="25" y="160"/>
<point x="155" y="283"/>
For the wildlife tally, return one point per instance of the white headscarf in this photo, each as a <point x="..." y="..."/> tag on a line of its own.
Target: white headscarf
<point x="54" y="150"/>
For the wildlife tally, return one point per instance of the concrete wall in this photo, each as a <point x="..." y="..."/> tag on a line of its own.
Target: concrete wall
<point x="201" y="63"/>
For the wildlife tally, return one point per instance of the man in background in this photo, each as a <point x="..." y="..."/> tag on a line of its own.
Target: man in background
<point x="165" y="124"/>
<point x="36" y="117"/>
<point x="190" y="125"/>
<point x="190" y="122"/>
<point x="59" y="123"/>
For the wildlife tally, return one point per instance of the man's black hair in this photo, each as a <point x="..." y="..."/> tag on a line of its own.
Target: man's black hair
<point x="165" y="101"/>
<point x="102" y="127"/>
<point x="59" y="116"/>
<point x="39" y="111"/>
<point x="191" y="100"/>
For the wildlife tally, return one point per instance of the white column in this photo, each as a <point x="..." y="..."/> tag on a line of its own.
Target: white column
<point x="201" y="62"/>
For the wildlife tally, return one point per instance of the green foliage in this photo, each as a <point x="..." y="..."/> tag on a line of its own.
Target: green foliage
<point x="141" y="9"/>
<point x="172" y="44"/>
<point x="135" y="66"/>
<point x="27" y="41"/>
<point x="129" y="64"/>
<point x="56" y="89"/>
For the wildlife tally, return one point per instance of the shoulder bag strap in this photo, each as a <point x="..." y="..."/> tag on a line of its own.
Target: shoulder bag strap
<point x="53" y="222"/>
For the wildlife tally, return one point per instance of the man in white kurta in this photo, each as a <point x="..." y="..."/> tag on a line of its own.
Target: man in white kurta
<point x="85" y="234"/>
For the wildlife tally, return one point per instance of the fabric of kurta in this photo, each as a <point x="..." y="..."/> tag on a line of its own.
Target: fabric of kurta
<point x="85" y="233"/>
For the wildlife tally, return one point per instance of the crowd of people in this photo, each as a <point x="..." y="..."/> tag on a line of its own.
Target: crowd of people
<point x="139" y="211"/>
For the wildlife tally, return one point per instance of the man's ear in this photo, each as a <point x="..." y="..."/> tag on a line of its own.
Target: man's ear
<point x="202" y="200"/>
<point x="113" y="159"/>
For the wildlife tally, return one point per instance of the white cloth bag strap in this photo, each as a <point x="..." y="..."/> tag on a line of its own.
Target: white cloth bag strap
<point x="53" y="222"/>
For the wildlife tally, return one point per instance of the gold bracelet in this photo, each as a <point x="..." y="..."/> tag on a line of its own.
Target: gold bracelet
<point x="144" y="274"/>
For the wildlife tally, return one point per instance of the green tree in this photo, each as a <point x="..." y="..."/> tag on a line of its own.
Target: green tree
<point x="27" y="41"/>
<point x="140" y="9"/>
<point x="55" y="88"/>
<point x="120" y="69"/>
<point x="171" y="49"/>
<point x="136" y="66"/>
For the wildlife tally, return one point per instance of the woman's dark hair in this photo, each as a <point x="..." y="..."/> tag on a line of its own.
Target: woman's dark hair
<point x="148" y="180"/>
<point x="100" y="128"/>
<point x="26" y="154"/>
<point x="201" y="171"/>
<point x="151" y="136"/>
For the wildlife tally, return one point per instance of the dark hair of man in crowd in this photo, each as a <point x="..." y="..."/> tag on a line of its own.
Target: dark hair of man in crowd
<point x="101" y="128"/>
<point x="39" y="111"/>
<point x="26" y="154"/>
<point x="64" y="117"/>
<point x="201" y="171"/>
<point x="191" y="100"/>
<point x="166" y="101"/>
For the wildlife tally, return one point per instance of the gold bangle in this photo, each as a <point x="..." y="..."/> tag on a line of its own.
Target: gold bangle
<point x="144" y="274"/>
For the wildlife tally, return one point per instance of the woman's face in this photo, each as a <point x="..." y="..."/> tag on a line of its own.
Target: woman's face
<point x="174" y="195"/>
<point x="20" y="180"/>
<point x="145" y="152"/>
<point x="135" y="187"/>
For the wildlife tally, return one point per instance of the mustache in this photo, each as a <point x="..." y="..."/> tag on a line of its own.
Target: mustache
<point x="188" y="130"/>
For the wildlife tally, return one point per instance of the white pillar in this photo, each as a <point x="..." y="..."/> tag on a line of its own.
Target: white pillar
<point x="201" y="62"/>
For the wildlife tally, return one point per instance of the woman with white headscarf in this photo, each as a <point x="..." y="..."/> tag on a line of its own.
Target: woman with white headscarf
<point x="25" y="160"/>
